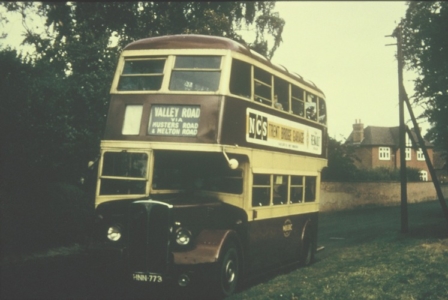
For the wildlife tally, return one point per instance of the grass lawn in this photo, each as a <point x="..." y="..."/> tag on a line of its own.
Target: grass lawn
<point x="366" y="257"/>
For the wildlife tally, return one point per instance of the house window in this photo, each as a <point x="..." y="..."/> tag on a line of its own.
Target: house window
<point x="408" y="148"/>
<point x="420" y="155"/>
<point x="384" y="153"/>
<point x="408" y="153"/>
<point x="423" y="175"/>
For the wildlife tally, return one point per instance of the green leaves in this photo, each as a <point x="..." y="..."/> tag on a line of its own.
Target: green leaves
<point x="426" y="51"/>
<point x="56" y="100"/>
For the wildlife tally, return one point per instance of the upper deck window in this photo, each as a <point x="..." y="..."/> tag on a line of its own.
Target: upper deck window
<point x="281" y="94"/>
<point x="297" y="103"/>
<point x="142" y="75"/>
<point x="311" y="107"/>
<point x="196" y="73"/>
<point x="240" y="78"/>
<point x="262" y="86"/>
<point x="322" y="111"/>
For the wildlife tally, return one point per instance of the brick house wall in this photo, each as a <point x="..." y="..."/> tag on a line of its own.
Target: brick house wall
<point x="377" y="162"/>
<point x="368" y="141"/>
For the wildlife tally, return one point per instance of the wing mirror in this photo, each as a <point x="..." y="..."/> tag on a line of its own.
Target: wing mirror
<point x="233" y="163"/>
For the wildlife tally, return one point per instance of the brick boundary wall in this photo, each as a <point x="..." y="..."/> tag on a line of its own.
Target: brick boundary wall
<point x="336" y="196"/>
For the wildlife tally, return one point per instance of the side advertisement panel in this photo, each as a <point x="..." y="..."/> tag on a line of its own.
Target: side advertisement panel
<point x="268" y="130"/>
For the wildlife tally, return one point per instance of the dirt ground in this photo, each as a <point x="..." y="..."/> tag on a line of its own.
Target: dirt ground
<point x="78" y="276"/>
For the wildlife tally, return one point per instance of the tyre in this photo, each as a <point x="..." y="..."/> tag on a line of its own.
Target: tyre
<point x="228" y="270"/>
<point x="306" y="255"/>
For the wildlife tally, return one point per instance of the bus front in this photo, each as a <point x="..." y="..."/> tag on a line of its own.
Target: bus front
<point x="168" y="194"/>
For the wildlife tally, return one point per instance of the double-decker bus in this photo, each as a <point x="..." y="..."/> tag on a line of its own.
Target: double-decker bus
<point x="210" y="163"/>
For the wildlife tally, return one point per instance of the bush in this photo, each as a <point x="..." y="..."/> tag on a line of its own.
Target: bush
<point x="369" y="175"/>
<point x="385" y="174"/>
<point x="39" y="218"/>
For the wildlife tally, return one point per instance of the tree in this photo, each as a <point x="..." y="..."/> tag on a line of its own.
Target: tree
<point x="54" y="101"/>
<point x="37" y="132"/>
<point x="340" y="162"/>
<point x="76" y="45"/>
<point x="425" y="48"/>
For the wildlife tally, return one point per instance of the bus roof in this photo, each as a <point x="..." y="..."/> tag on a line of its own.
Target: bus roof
<point x="197" y="41"/>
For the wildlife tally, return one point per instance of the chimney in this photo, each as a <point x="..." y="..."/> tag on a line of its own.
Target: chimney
<point x="358" y="131"/>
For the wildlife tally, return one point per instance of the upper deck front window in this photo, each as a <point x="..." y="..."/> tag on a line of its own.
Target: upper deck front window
<point x="142" y="74"/>
<point x="196" y="73"/>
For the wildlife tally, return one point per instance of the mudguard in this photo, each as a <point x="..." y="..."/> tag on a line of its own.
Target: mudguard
<point x="207" y="248"/>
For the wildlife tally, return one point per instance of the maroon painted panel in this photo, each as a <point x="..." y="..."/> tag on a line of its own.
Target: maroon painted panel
<point x="233" y="128"/>
<point x="276" y="241"/>
<point x="208" y="119"/>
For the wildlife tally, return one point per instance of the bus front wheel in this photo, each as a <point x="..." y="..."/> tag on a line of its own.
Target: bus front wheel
<point x="228" y="270"/>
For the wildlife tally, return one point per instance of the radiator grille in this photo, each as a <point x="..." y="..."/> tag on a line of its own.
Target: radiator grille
<point x="149" y="233"/>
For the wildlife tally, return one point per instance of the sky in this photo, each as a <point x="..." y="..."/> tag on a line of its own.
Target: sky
<point x="341" y="47"/>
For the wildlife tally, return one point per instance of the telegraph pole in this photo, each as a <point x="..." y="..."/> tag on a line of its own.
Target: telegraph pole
<point x="402" y="135"/>
<point x="403" y="97"/>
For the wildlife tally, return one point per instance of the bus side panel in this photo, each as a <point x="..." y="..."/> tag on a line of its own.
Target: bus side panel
<point x="276" y="241"/>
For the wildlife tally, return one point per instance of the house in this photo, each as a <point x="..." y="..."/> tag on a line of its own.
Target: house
<point x="379" y="147"/>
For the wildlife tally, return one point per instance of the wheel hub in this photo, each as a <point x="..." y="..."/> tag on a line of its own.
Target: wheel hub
<point x="230" y="271"/>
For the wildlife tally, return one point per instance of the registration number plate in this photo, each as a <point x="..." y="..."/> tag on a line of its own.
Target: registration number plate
<point x="147" y="277"/>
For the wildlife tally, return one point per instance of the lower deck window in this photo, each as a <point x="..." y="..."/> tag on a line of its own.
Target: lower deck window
<point x="282" y="189"/>
<point x="261" y="191"/>
<point x="310" y="189"/>
<point x="296" y="189"/>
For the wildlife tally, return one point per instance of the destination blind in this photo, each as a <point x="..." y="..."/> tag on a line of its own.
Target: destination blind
<point x="174" y="120"/>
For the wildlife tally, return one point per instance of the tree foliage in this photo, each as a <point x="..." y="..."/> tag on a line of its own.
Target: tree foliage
<point x="425" y="48"/>
<point x="74" y="62"/>
<point x="54" y="101"/>
<point x="340" y="162"/>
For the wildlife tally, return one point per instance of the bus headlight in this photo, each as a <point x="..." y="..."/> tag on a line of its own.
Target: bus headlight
<point x="114" y="233"/>
<point x="183" y="236"/>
